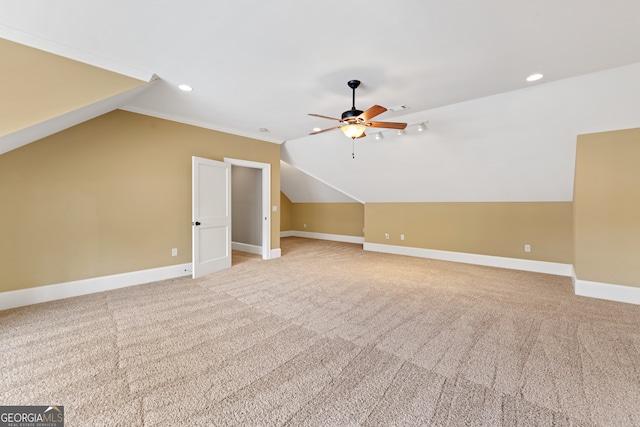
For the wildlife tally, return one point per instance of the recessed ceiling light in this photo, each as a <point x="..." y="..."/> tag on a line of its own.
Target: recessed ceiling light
<point x="534" y="77"/>
<point x="317" y="129"/>
<point x="263" y="130"/>
<point x="185" y="88"/>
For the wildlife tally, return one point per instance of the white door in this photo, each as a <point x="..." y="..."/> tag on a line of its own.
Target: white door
<point x="211" y="216"/>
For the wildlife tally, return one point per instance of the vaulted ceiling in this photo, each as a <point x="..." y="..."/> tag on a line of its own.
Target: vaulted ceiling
<point x="458" y="65"/>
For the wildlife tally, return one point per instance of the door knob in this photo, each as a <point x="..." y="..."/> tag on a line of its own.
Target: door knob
<point x="195" y="223"/>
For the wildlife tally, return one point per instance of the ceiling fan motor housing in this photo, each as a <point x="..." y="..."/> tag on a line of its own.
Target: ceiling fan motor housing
<point x="353" y="113"/>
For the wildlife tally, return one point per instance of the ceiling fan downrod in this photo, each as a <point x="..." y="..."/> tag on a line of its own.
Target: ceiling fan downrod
<point x="353" y="84"/>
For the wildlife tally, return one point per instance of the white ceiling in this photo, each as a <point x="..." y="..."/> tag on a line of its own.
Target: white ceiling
<point x="258" y="64"/>
<point x="267" y="64"/>
<point x="514" y="147"/>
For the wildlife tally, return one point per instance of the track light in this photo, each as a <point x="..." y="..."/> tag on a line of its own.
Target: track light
<point x="400" y="132"/>
<point x="379" y="135"/>
<point x="420" y="127"/>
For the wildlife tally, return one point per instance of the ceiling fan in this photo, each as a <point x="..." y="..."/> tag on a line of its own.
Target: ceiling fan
<point x="354" y="122"/>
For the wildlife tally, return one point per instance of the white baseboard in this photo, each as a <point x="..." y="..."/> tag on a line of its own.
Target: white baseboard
<point x="323" y="236"/>
<point x="39" y="294"/>
<point x="245" y="247"/>
<point x="487" y="260"/>
<point x="606" y="291"/>
<point x="275" y="253"/>
<point x="253" y="249"/>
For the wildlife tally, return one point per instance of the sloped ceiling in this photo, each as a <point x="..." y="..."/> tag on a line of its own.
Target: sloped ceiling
<point x="455" y="63"/>
<point x="44" y="93"/>
<point x="516" y="146"/>
<point x="301" y="187"/>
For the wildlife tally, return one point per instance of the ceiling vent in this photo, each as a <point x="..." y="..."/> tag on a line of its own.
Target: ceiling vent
<point x="398" y="108"/>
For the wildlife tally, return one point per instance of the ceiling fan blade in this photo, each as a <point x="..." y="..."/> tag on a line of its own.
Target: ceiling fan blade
<point x="325" y="117"/>
<point x="325" y="130"/>
<point x="372" y="112"/>
<point x="390" y="125"/>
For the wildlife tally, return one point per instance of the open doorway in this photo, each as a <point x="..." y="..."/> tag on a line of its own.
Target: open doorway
<point x="246" y="209"/>
<point x="251" y="190"/>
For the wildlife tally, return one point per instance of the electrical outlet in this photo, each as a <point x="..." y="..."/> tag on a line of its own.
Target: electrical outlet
<point x="305" y="225"/>
<point x="386" y="236"/>
<point x="402" y="237"/>
<point x="174" y="252"/>
<point x="527" y="248"/>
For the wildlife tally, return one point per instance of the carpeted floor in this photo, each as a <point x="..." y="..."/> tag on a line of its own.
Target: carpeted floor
<point x="330" y="335"/>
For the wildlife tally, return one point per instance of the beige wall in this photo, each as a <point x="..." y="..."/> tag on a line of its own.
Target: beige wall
<point x="37" y="86"/>
<point x="111" y="195"/>
<point x="607" y="207"/>
<point x="497" y="229"/>
<point x="346" y="219"/>
<point x="285" y="212"/>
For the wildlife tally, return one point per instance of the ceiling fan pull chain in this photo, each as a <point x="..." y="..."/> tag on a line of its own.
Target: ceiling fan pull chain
<point x="353" y="148"/>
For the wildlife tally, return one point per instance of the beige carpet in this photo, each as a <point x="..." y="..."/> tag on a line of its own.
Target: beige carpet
<point x="330" y="335"/>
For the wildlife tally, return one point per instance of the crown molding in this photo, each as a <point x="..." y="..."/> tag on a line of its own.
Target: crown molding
<point x="80" y="55"/>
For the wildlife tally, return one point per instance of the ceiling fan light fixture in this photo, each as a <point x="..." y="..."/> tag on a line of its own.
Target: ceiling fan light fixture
<point x="354" y="122"/>
<point x="353" y="131"/>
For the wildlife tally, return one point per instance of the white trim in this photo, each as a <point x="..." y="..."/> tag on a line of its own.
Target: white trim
<point x="200" y="124"/>
<point x="48" y="127"/>
<point x="79" y="55"/>
<point x="266" y="199"/>
<point x="276" y="253"/>
<point x="245" y="247"/>
<point x="39" y="294"/>
<point x="323" y="236"/>
<point x="607" y="291"/>
<point x="487" y="260"/>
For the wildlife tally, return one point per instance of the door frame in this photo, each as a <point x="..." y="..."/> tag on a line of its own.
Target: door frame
<point x="266" y="199"/>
